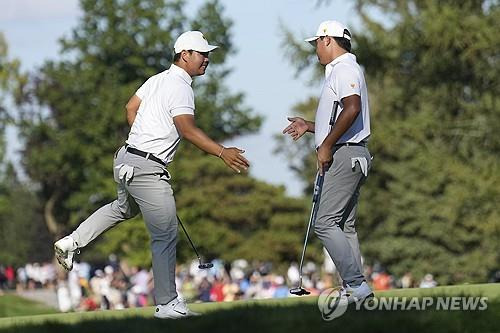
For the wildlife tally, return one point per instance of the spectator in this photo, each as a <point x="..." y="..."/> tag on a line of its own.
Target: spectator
<point x="22" y="278"/>
<point x="382" y="281"/>
<point x="10" y="275"/>
<point x="428" y="281"/>
<point x="407" y="280"/>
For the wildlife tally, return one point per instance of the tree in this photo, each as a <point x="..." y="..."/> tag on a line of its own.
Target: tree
<point x="23" y="236"/>
<point x="432" y="70"/>
<point x="19" y="214"/>
<point x="9" y="70"/>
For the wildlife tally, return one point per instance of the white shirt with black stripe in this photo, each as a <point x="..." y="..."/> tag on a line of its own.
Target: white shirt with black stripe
<point x="163" y="96"/>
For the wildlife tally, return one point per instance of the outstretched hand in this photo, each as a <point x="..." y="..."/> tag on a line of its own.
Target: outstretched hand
<point x="297" y="128"/>
<point x="233" y="159"/>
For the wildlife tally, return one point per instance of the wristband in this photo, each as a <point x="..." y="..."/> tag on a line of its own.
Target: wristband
<point x="220" y="154"/>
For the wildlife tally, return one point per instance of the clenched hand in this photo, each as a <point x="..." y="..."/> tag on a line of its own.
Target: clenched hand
<point x="325" y="158"/>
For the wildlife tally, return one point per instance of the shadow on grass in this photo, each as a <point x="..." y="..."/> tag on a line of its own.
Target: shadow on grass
<point x="296" y="318"/>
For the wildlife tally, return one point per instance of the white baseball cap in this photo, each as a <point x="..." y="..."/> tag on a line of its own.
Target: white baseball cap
<point x="192" y="40"/>
<point x="332" y="29"/>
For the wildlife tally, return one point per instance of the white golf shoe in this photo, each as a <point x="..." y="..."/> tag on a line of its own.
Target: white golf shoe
<point x="65" y="250"/>
<point x="359" y="294"/>
<point x="174" y="309"/>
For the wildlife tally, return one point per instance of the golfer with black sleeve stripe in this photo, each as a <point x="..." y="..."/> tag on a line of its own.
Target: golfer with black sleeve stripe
<point x="341" y="154"/>
<point x="160" y="113"/>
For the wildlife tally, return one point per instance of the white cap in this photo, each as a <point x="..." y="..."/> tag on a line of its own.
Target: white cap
<point x="332" y="29"/>
<point x="192" y="40"/>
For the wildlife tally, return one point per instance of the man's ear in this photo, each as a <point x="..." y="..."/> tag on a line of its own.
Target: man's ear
<point x="329" y="40"/>
<point x="184" y="55"/>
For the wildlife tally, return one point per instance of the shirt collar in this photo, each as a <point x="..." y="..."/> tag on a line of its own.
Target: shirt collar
<point x="345" y="57"/>
<point x="181" y="72"/>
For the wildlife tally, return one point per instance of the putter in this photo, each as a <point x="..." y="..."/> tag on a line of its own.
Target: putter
<point x="201" y="265"/>
<point x="318" y="185"/>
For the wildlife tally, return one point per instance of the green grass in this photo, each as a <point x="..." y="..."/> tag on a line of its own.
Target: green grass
<point x="12" y="305"/>
<point x="287" y="315"/>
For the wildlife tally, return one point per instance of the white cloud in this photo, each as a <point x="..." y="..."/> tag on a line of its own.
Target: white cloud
<point x="21" y="10"/>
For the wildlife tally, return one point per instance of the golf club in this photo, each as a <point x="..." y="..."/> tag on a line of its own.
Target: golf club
<point x="201" y="265"/>
<point x="318" y="185"/>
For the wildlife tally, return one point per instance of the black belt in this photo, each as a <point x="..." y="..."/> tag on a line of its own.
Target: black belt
<point x="147" y="156"/>
<point x="362" y="144"/>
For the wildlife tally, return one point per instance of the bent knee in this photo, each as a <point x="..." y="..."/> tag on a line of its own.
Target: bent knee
<point x="125" y="211"/>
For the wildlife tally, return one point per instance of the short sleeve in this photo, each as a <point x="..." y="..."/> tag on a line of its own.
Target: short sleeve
<point x="345" y="82"/>
<point x="182" y="101"/>
<point x="141" y="92"/>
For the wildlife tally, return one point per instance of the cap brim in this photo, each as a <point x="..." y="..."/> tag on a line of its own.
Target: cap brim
<point x="311" y="39"/>
<point x="209" y="48"/>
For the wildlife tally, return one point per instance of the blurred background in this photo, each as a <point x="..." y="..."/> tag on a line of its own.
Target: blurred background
<point x="428" y="214"/>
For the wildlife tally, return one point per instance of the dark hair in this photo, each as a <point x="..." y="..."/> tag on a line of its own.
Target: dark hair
<point x="344" y="42"/>
<point x="177" y="56"/>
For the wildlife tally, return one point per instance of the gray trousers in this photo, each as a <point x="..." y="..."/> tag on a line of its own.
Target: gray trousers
<point x="149" y="192"/>
<point x="336" y="219"/>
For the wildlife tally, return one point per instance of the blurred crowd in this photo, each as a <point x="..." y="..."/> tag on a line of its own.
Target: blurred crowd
<point x="117" y="285"/>
<point x="30" y="276"/>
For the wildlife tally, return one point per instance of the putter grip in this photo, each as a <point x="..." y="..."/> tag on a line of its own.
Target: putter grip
<point x="317" y="187"/>
<point x="316" y="193"/>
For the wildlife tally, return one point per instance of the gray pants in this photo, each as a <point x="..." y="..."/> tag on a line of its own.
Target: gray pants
<point x="335" y="223"/>
<point x="148" y="191"/>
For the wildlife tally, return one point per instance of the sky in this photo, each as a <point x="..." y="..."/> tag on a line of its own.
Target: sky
<point x="32" y="29"/>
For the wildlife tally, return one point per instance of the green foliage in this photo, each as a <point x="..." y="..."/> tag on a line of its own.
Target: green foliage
<point x="9" y="73"/>
<point x="234" y="216"/>
<point x="23" y="236"/>
<point x="430" y="202"/>
<point x="20" y="218"/>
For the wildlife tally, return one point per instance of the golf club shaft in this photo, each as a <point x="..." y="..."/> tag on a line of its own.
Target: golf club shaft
<point x="318" y="184"/>
<point x="189" y="238"/>
<point x="305" y="245"/>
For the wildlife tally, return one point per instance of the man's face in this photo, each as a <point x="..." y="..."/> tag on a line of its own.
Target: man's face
<point x="197" y="63"/>
<point x="322" y="44"/>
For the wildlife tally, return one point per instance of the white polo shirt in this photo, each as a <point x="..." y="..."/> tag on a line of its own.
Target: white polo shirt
<point x="163" y="96"/>
<point x="343" y="77"/>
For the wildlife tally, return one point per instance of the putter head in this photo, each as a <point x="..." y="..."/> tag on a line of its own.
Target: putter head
<point x="299" y="291"/>
<point x="206" y="265"/>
